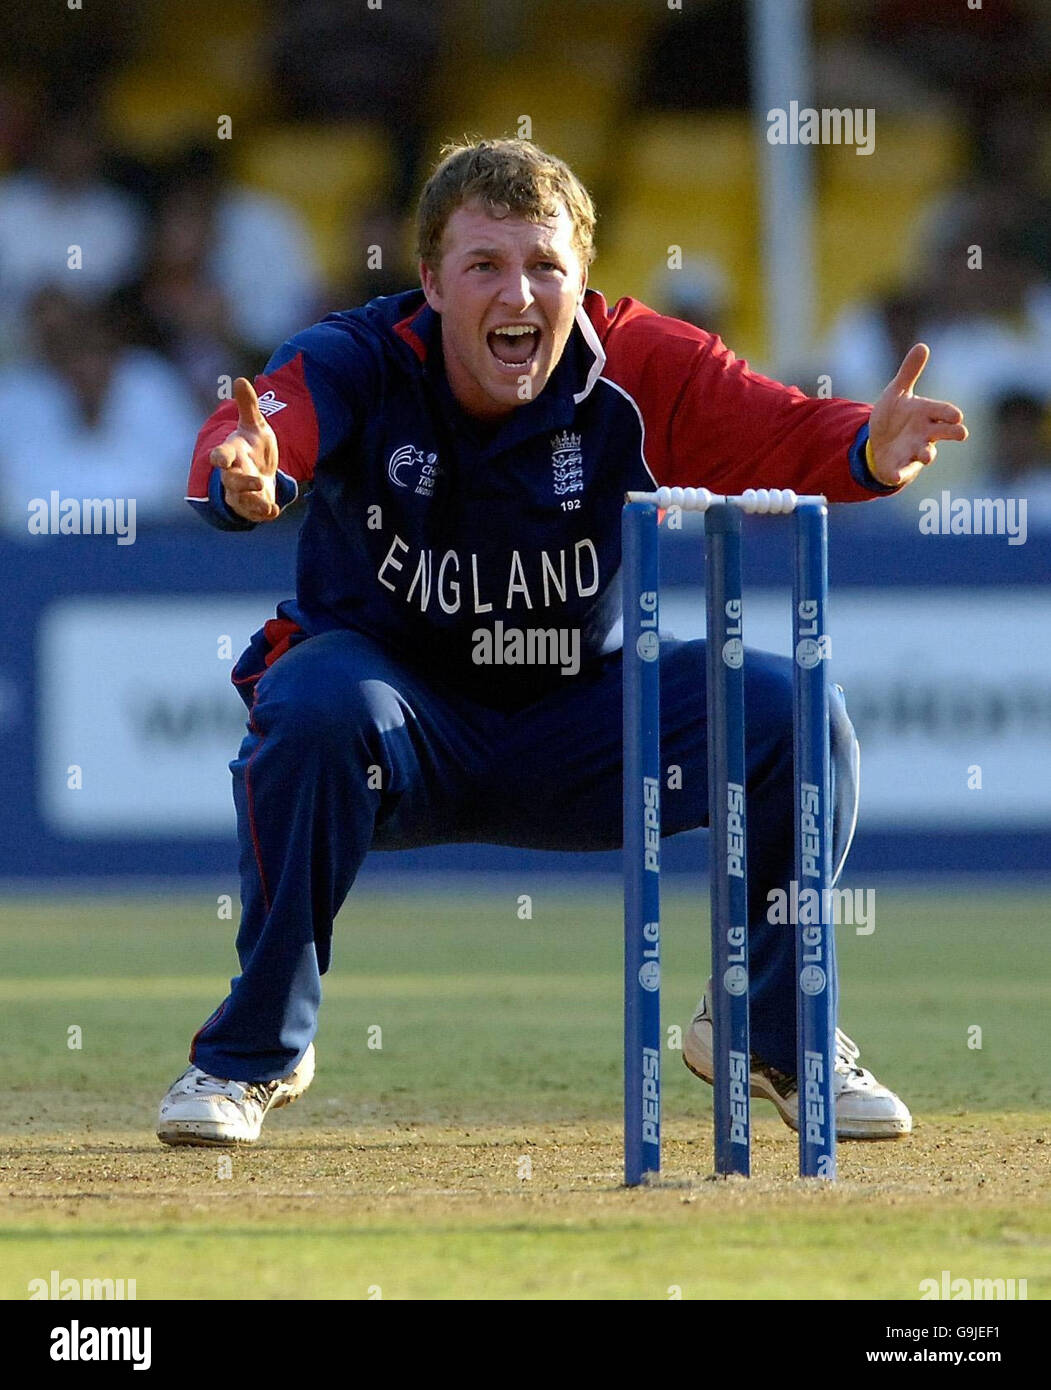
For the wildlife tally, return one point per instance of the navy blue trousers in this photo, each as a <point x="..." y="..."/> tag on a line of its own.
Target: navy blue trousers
<point x="348" y="751"/>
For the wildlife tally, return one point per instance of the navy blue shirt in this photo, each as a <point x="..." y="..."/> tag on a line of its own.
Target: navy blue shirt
<point x="442" y="536"/>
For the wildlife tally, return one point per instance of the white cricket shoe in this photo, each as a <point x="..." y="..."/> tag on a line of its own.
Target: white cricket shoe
<point x="865" y="1109"/>
<point x="205" y="1110"/>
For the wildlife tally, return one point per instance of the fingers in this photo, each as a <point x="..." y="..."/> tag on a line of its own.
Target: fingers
<point x="932" y="426"/>
<point x="246" y="497"/>
<point x="247" y="491"/>
<point x="924" y="454"/>
<point x="242" y="483"/>
<point x="236" y="455"/>
<point x="254" y="509"/>
<point x="957" y="432"/>
<point x="921" y="452"/>
<point x="943" y="412"/>
<point x="912" y="365"/>
<point x="939" y="412"/>
<point x="249" y="416"/>
<point x="226" y="455"/>
<point x="240" y="475"/>
<point x="930" y="420"/>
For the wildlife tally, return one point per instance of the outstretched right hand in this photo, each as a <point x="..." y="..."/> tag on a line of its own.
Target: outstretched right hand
<point x="248" y="458"/>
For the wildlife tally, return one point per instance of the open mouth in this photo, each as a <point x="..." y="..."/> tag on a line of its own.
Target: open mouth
<point x="514" y="346"/>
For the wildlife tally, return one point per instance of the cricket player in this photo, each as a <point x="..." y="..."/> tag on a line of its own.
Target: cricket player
<point x="448" y="670"/>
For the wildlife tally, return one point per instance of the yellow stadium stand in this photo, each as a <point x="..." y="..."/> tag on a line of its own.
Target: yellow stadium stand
<point x="567" y="111"/>
<point x="863" y="243"/>
<point x="152" y="110"/>
<point x="868" y="206"/>
<point x="687" y="182"/>
<point x="922" y="153"/>
<point x="325" y="171"/>
<point x="666" y="155"/>
<point x="198" y="62"/>
<point x="196" y="31"/>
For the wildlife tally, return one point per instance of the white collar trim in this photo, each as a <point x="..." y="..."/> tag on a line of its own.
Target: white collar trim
<point x="592" y="339"/>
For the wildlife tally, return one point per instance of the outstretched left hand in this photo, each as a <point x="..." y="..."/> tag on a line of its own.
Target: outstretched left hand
<point x="903" y="428"/>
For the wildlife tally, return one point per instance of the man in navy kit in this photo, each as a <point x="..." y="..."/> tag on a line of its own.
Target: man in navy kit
<point x="445" y="672"/>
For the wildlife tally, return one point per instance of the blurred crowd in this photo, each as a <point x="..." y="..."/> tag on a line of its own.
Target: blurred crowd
<point x="133" y="290"/>
<point x="170" y="283"/>
<point x="979" y="294"/>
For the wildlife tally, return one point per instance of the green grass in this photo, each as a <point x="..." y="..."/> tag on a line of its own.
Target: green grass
<point x="745" y="1256"/>
<point x="502" y="1038"/>
<point x="484" y="1016"/>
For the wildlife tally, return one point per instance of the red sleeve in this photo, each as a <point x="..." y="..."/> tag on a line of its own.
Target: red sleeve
<point x="710" y="421"/>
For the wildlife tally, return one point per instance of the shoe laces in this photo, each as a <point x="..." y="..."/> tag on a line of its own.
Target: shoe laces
<point x="847" y="1054"/>
<point x="783" y="1082"/>
<point x="252" y="1092"/>
<point x="846" y="1059"/>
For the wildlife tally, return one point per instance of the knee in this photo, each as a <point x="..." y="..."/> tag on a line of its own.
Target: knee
<point x="846" y="769"/>
<point x="770" y="692"/>
<point x="771" y="686"/>
<point x="322" y="705"/>
<point x="842" y="738"/>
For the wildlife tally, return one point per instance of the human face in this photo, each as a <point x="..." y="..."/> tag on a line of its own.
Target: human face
<point x="500" y="273"/>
